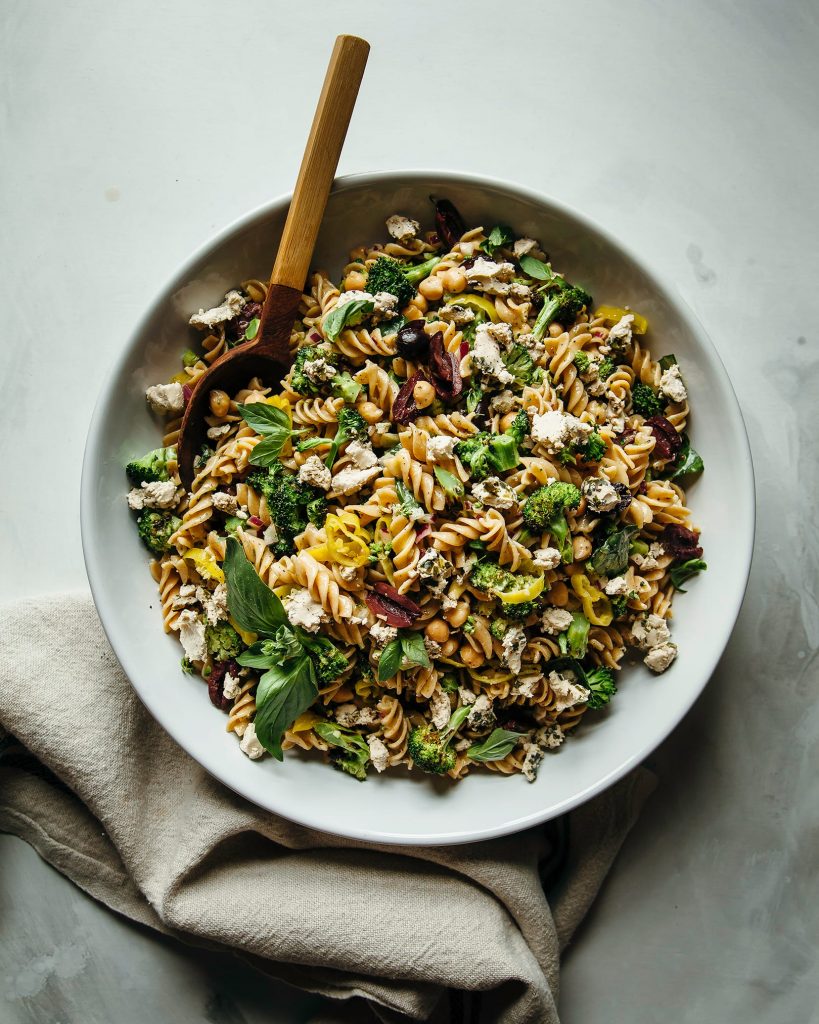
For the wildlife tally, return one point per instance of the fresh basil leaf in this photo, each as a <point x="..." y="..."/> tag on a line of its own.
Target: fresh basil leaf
<point x="577" y="635"/>
<point x="684" y="571"/>
<point x="668" y="361"/>
<point x="256" y="656"/>
<point x="414" y="649"/>
<point x="390" y="661"/>
<point x="283" y="693"/>
<point x="264" y="418"/>
<point x="688" y="464"/>
<point x="453" y="488"/>
<point x="252" y="329"/>
<point x="251" y="602"/>
<point x="390" y="327"/>
<point x="457" y="719"/>
<point x="348" y="315"/>
<point x="268" y="450"/>
<point x="537" y="269"/>
<point x="611" y="558"/>
<point x="496" y="746"/>
<point x="500" y="236"/>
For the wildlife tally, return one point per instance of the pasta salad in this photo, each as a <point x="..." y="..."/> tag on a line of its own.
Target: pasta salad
<point x="434" y="543"/>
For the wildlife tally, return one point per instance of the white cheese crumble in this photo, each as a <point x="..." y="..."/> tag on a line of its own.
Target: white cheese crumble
<point x="303" y="611"/>
<point x="513" y="644"/>
<point x="350" y="480"/>
<point x="192" y="635"/>
<point x="620" y="334"/>
<point x="490" y="277"/>
<point x="617" y="586"/>
<point x="315" y="473"/>
<point x="232" y="686"/>
<point x="402" y="229"/>
<point x="467" y="696"/>
<point x="215" y="604"/>
<point x="495" y="493"/>
<point x="379" y="754"/>
<point x="649" y="561"/>
<point x="650" y="631"/>
<point x="535" y="348"/>
<point x="616" y="413"/>
<point x="502" y="403"/>
<point x="382" y="634"/>
<point x="228" y="504"/>
<point x="556" y="620"/>
<point x="672" y="386"/>
<point x="386" y="306"/>
<point x="660" y="657"/>
<point x="531" y="761"/>
<point x="458" y="316"/>
<point x="485" y="356"/>
<point x="556" y="430"/>
<point x="166" y="398"/>
<point x="550" y="737"/>
<point x="153" y="494"/>
<point x="318" y="370"/>
<point x="439" y="709"/>
<point x="601" y="495"/>
<point x="527" y="247"/>
<point x="566" y="693"/>
<point x="250" y="745"/>
<point x="214" y="433"/>
<point x="270" y="535"/>
<point x="361" y="455"/>
<point x="441" y="448"/>
<point x="230" y="307"/>
<point x="433" y="569"/>
<point x="481" y="716"/>
<point x="348" y="716"/>
<point x="546" y="558"/>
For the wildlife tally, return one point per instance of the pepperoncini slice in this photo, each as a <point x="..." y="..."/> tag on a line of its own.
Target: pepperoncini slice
<point x="596" y="606"/>
<point x="205" y="563"/>
<point x="305" y="722"/>
<point x="247" y="636"/>
<point x="347" y="544"/>
<point x="528" y="592"/>
<point x="612" y="314"/>
<point x="280" y="402"/>
<point x="477" y="302"/>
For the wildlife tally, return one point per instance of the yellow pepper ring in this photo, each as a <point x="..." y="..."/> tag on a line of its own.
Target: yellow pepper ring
<point x="206" y="564"/>
<point x="596" y="606"/>
<point x="612" y="314"/>
<point x="527" y="593"/>
<point x="348" y="544"/>
<point x="476" y="302"/>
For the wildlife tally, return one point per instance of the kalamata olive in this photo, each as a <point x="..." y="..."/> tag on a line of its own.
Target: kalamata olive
<point x="405" y="408"/>
<point x="667" y="442"/>
<point x="216" y="683"/>
<point x="412" y="341"/>
<point x="680" y="542"/>
<point x="235" y="330"/>
<point x="397" y="609"/>
<point x="625" y="497"/>
<point x="448" y="221"/>
<point x="445" y="370"/>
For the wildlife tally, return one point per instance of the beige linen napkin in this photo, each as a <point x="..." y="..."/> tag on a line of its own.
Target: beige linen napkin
<point x="106" y="796"/>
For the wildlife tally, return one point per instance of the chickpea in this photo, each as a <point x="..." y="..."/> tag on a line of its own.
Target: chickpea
<point x="354" y="281"/>
<point x="423" y="393"/>
<point x="581" y="547"/>
<point x="432" y="288"/>
<point x="458" y="615"/>
<point x="438" y="631"/>
<point x="219" y="403"/>
<point x="450" y="647"/>
<point x="419" y="303"/>
<point x="559" y="593"/>
<point x="471" y="658"/>
<point x="454" y="279"/>
<point x="507" y="421"/>
<point x="370" y="412"/>
<point x="555" y="330"/>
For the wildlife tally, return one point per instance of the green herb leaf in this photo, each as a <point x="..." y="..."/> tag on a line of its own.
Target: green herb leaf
<point x="577" y="635"/>
<point x="283" y="646"/>
<point x="500" y="236"/>
<point x="189" y="357"/>
<point x="283" y="693"/>
<point x="496" y="746"/>
<point x="668" y="361"/>
<point x="459" y="716"/>
<point x="268" y="451"/>
<point x="251" y="602"/>
<point x="390" y="327"/>
<point x="414" y="650"/>
<point x="406" y="500"/>
<point x="264" y="418"/>
<point x="684" y="571"/>
<point x="348" y="315"/>
<point x="252" y="329"/>
<point x="611" y="558"/>
<point x="453" y="488"/>
<point x="688" y="464"/>
<point x="390" y="661"/>
<point x="537" y="269"/>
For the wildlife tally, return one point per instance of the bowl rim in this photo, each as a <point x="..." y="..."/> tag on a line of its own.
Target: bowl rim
<point x="94" y="562"/>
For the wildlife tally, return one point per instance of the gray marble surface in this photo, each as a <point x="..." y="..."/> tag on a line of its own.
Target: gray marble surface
<point x="131" y="132"/>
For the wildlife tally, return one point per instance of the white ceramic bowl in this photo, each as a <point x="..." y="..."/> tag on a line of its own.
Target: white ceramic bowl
<point x="401" y="807"/>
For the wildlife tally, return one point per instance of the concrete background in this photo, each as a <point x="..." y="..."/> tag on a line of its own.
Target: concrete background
<point x="132" y="132"/>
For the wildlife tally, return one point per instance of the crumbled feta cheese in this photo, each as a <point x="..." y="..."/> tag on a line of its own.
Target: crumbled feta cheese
<point x="348" y="573"/>
<point x="153" y="494"/>
<point x="186" y="596"/>
<point x="617" y="586"/>
<point x="660" y="657"/>
<point x="546" y="558"/>
<point x="534" y="347"/>
<point x="230" y="307"/>
<point x="620" y="334"/>
<point x="526" y="684"/>
<point x="214" y="433"/>
<point x="481" y="716"/>
<point x="351" y="480"/>
<point x="360" y="615"/>
<point x="566" y="693"/>
<point x="441" y="448"/>
<point x="616" y="413"/>
<point x="315" y="473"/>
<point x="433" y="648"/>
<point x="348" y="715"/>
<point x="527" y="247"/>
<point x="520" y="292"/>
<point x="550" y="737"/>
<point x="439" y="709"/>
<point x="531" y="761"/>
<point x="250" y="745"/>
<point x="228" y="504"/>
<point x="303" y="611"/>
<point x="513" y="643"/>
<point x="502" y="403"/>
<point x="433" y="569"/>
<point x="379" y="754"/>
<point x="556" y="620"/>
<point x="318" y="370"/>
<point x="386" y="306"/>
<point x="270" y="535"/>
<point x="381" y="634"/>
<point x="486" y="357"/>
<point x="467" y="696"/>
<point x="402" y="229"/>
<point x="557" y="430"/>
<point x="354" y="295"/>
<point x="495" y="493"/>
<point x="650" y="631"/>
<point x="649" y="561"/>
<point x="232" y="686"/>
<point x="490" y="277"/>
<point x="192" y="635"/>
<point x="379" y="432"/>
<point x="361" y="455"/>
<point x="166" y="398"/>
<point x="672" y="386"/>
<point x="601" y="495"/>
<point x="215" y="604"/>
<point x="458" y="316"/>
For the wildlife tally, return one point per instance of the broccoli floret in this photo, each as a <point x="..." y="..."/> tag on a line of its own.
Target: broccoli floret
<point x="544" y="510"/>
<point x="619" y="605"/>
<point x="606" y="369"/>
<point x="350" y="752"/>
<point x="343" y="386"/>
<point x="155" y="530"/>
<point x="449" y="683"/>
<point x="519" y="612"/>
<point x="594" y="449"/>
<point x="223" y="641"/>
<point x="328" y="661"/>
<point x="351" y="425"/>
<point x="519" y="428"/>
<point x="601" y="683"/>
<point x="290" y="504"/>
<point x="484" y="454"/>
<point x="581" y="361"/>
<point x="490" y="578"/>
<point x="380" y="549"/>
<point x="644" y="400"/>
<point x="429" y="748"/>
<point x="562" y="305"/>
<point x="234" y="523"/>
<point x="498" y="628"/>
<point x="153" y="466"/>
<point x="419" y="271"/>
<point x="187" y="666"/>
<point x="469" y="625"/>
<point x="387" y="275"/>
<point x="520" y="364"/>
<point x="299" y="380"/>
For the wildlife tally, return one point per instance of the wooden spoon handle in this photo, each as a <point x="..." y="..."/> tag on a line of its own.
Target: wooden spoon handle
<point x="318" y="166"/>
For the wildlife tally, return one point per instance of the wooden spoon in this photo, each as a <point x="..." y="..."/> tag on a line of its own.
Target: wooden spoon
<point x="268" y="354"/>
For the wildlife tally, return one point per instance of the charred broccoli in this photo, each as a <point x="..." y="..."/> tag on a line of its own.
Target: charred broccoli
<point x="562" y="305"/>
<point x="155" y="530"/>
<point x="223" y="641"/>
<point x="429" y="748"/>
<point x="545" y="510"/>
<point x="483" y="454"/>
<point x="644" y="400"/>
<point x="291" y="504"/>
<point x="387" y="275"/>
<point x="153" y="466"/>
